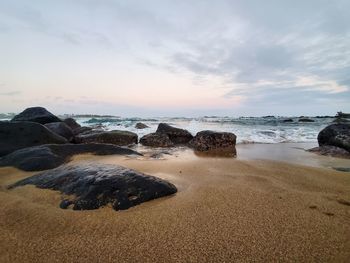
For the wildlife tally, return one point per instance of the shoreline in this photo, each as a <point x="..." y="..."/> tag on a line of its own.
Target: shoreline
<point x="226" y="209"/>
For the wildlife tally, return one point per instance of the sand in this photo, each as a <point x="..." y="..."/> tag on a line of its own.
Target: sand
<point x="226" y="210"/>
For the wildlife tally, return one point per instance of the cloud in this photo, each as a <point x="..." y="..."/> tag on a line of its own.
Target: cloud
<point x="10" y="93"/>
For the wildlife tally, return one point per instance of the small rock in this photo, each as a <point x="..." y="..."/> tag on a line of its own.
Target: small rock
<point x="141" y="125"/>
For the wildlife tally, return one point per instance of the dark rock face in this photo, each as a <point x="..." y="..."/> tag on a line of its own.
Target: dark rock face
<point x="36" y="114"/>
<point x="141" y="125"/>
<point x="72" y="123"/>
<point x="96" y="185"/>
<point x="176" y="135"/>
<point x="18" y="135"/>
<point x="305" y="120"/>
<point x="120" y="138"/>
<point x="335" y="135"/>
<point x="214" y="141"/>
<point x="61" y="129"/>
<point x="328" y="150"/>
<point x="156" y="140"/>
<point x="43" y="157"/>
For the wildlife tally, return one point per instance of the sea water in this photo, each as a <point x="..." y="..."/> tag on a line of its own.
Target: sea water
<point x="268" y="129"/>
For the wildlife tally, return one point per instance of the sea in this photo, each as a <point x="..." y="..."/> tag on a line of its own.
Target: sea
<point x="268" y="129"/>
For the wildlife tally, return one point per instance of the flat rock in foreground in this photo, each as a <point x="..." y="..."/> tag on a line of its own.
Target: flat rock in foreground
<point x="96" y="185"/>
<point x="50" y="156"/>
<point x="18" y="135"/>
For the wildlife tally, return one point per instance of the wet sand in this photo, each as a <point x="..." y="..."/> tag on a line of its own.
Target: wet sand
<point x="226" y="210"/>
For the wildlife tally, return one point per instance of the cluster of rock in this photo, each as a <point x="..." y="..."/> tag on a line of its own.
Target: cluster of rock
<point x="204" y="141"/>
<point x="334" y="140"/>
<point x="37" y="140"/>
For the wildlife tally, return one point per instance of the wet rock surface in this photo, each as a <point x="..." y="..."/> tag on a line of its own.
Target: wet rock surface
<point x="90" y="186"/>
<point x="72" y="123"/>
<point x="18" y="135"/>
<point x="335" y="135"/>
<point x="36" y="114"/>
<point x="176" y="135"/>
<point x="156" y="140"/>
<point x="211" y="141"/>
<point x="45" y="157"/>
<point x="116" y="137"/>
<point x="329" y="150"/>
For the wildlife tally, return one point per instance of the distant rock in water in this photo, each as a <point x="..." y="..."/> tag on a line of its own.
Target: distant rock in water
<point x="176" y="135"/>
<point x="36" y="114"/>
<point x="141" y="125"/>
<point x="304" y="119"/>
<point x="216" y="142"/>
<point x="39" y="158"/>
<point x="72" y="123"/>
<point x="121" y="138"/>
<point x="335" y="135"/>
<point x="156" y="140"/>
<point x="288" y="120"/>
<point x="95" y="185"/>
<point x="18" y="135"/>
<point x="61" y="129"/>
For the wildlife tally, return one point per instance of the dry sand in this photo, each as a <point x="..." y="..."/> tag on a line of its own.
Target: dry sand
<point x="226" y="210"/>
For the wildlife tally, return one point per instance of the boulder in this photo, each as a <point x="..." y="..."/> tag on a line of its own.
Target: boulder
<point x="49" y="156"/>
<point x="335" y="135"/>
<point x="176" y="135"/>
<point x="90" y="186"/>
<point x="18" y="135"/>
<point x="36" y="114"/>
<point x="116" y="137"/>
<point x="288" y="120"/>
<point x="141" y="125"/>
<point x="61" y="129"/>
<point x="156" y="140"/>
<point x="211" y="141"/>
<point x="72" y="123"/>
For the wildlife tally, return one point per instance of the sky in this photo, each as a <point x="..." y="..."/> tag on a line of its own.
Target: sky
<point x="176" y="58"/>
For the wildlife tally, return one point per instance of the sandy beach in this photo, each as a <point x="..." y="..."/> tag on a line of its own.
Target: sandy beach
<point x="226" y="210"/>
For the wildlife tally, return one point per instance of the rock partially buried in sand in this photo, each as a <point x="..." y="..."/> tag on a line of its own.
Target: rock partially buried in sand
<point x="141" y="125"/>
<point x="335" y="135"/>
<point x="50" y="156"/>
<point x="156" y="140"/>
<point x="121" y="138"/>
<point x="215" y="142"/>
<point x="176" y="135"/>
<point x="96" y="185"/>
<point x="329" y="150"/>
<point x="18" y="135"/>
<point x="61" y="129"/>
<point x="36" y="114"/>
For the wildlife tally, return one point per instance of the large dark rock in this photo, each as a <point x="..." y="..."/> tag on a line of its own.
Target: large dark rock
<point x="18" y="135"/>
<point x="206" y="141"/>
<point x="176" y="135"/>
<point x="96" y="185"/>
<point x="50" y="156"/>
<point x="72" y="123"/>
<point x="61" y="129"/>
<point x="116" y="137"/>
<point x="141" y="125"/>
<point x="156" y="140"/>
<point x="335" y="135"/>
<point x="36" y="114"/>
